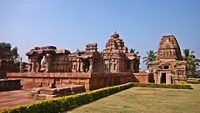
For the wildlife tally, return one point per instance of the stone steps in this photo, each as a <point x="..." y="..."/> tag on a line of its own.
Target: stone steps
<point x="61" y="90"/>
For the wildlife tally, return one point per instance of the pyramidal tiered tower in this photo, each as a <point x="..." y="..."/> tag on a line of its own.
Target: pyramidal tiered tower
<point x="115" y="44"/>
<point x="169" y="48"/>
<point x="169" y="66"/>
<point x="117" y="58"/>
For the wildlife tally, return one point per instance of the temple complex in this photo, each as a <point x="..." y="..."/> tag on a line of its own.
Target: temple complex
<point x="169" y="66"/>
<point x="114" y="58"/>
<point x="50" y="68"/>
<point x="89" y="68"/>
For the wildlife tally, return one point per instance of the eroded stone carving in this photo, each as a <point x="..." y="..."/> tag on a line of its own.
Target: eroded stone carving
<point x="54" y="60"/>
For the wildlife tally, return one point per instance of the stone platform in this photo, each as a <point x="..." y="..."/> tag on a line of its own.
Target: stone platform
<point x="90" y="80"/>
<point x="42" y="93"/>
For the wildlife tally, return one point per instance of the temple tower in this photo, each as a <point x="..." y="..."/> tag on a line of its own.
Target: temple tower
<point x="169" y="66"/>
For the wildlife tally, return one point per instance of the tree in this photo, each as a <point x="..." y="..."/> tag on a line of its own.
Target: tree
<point x="192" y="62"/>
<point x="151" y="56"/>
<point x="133" y="51"/>
<point x="3" y="45"/>
<point x="14" y="53"/>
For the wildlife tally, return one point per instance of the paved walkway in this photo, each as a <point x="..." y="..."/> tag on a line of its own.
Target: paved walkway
<point x="13" y="98"/>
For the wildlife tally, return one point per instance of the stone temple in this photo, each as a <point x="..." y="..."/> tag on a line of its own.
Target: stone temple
<point x="54" y="72"/>
<point x="51" y="66"/>
<point x="169" y="66"/>
<point x="114" y="58"/>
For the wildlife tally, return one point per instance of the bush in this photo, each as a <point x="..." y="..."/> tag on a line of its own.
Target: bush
<point x="175" y="86"/>
<point x="193" y="81"/>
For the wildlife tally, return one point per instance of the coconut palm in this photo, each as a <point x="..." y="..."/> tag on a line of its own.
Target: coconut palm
<point x="151" y="56"/>
<point x="192" y="62"/>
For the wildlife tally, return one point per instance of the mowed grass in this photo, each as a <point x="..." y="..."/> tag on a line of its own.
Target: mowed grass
<point x="146" y="100"/>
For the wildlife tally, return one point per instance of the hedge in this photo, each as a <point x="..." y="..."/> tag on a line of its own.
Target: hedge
<point x="193" y="82"/>
<point x="152" y="85"/>
<point x="63" y="103"/>
<point x="67" y="102"/>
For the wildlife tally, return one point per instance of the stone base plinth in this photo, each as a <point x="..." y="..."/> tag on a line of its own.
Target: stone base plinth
<point x="90" y="80"/>
<point x="7" y="84"/>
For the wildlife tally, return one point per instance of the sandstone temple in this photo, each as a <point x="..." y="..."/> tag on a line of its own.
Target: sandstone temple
<point x="169" y="66"/>
<point x="93" y="69"/>
<point x="114" y="58"/>
<point x="53" y="71"/>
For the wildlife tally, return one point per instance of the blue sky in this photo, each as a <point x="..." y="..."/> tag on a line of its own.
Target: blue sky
<point x="71" y="24"/>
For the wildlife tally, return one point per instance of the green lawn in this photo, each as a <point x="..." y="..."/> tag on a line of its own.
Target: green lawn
<point x="146" y="100"/>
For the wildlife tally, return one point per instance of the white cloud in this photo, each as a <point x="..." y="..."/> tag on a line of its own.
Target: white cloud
<point x="30" y="4"/>
<point x="25" y="6"/>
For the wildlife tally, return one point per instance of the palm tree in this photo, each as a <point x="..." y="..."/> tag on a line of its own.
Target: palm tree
<point x="192" y="62"/>
<point x="151" y="56"/>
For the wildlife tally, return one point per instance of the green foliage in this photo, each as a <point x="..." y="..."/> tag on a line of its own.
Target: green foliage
<point x="197" y="73"/>
<point x="3" y="45"/>
<point x="152" y="85"/>
<point x="63" y="103"/>
<point x="14" y="53"/>
<point x="192" y="62"/>
<point x="183" y="83"/>
<point x="133" y="51"/>
<point x="193" y="81"/>
<point x="151" y="56"/>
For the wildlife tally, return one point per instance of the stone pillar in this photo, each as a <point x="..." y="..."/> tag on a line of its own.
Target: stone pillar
<point x="131" y="65"/>
<point x="81" y="66"/>
<point x="78" y="65"/>
<point x="33" y="66"/>
<point x="29" y="65"/>
<point x="48" y="61"/>
<point x="91" y="65"/>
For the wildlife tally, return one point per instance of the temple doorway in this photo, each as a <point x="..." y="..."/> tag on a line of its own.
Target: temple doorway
<point x="163" y="78"/>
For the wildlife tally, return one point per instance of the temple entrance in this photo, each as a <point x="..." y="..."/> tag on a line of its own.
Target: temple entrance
<point x="86" y="65"/>
<point x="163" y="78"/>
